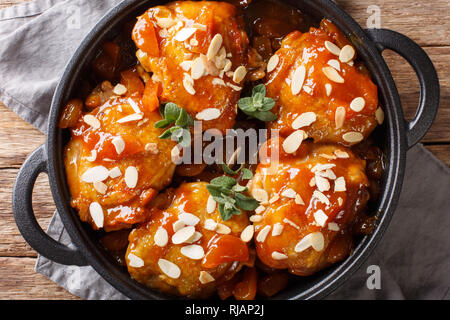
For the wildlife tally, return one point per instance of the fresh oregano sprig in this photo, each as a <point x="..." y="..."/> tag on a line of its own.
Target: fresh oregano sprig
<point x="181" y="120"/>
<point x="228" y="193"/>
<point x="258" y="105"/>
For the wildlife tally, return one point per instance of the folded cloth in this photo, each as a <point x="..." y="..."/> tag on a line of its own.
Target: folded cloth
<point x="412" y="261"/>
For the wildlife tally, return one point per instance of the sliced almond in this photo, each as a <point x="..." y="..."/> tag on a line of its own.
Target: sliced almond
<point x="214" y="46"/>
<point x="93" y="156"/>
<point x="293" y="141"/>
<point x="333" y="226"/>
<point x="262" y="235"/>
<point x="218" y="82"/>
<point x="120" y="89"/>
<point x="334" y="49"/>
<point x="208" y="114"/>
<point x="131" y="177"/>
<point x="178" y="225"/>
<point x="210" y="224"/>
<point x="205" y="277"/>
<point x="317" y="241"/>
<point x="260" y="209"/>
<point x="98" y="173"/>
<point x="152" y="148"/>
<point x="320" y="217"/>
<point x="188" y="218"/>
<point x="247" y="233"/>
<point x="193" y="42"/>
<point x="165" y="22"/>
<point x="321" y="197"/>
<point x="183" y="235"/>
<point x="188" y="84"/>
<point x="328" y="89"/>
<point x="256" y="218"/>
<point x="96" y="211"/>
<point x="186" y="65"/>
<point x="339" y="185"/>
<point x="332" y="74"/>
<point x="211" y="204"/>
<point x="197" y="68"/>
<point x="100" y="187"/>
<point x="352" y="137"/>
<point x="289" y="193"/>
<point x="175" y="155"/>
<point x="340" y="201"/>
<point x="297" y="79"/>
<point x="239" y="74"/>
<point x="260" y="195"/>
<point x="227" y="66"/>
<point x="274" y="198"/>
<point x="341" y="154"/>
<point x="347" y="53"/>
<point x="299" y="200"/>
<point x="322" y="167"/>
<point x="134" y="261"/>
<point x="92" y="121"/>
<point x="279" y="256"/>
<point x="322" y="184"/>
<point x="195" y="237"/>
<point x="119" y="144"/>
<point x="223" y="229"/>
<point x="170" y="269"/>
<point x="303" y="244"/>
<point x="184" y="34"/>
<point x="277" y="229"/>
<point x="131" y="117"/>
<point x="334" y="64"/>
<point x="291" y="223"/>
<point x="379" y="115"/>
<point x="339" y="117"/>
<point x="272" y="63"/>
<point x="161" y="237"/>
<point x="357" y="104"/>
<point x="193" y="251"/>
<point x="115" y="172"/>
<point x="304" y="120"/>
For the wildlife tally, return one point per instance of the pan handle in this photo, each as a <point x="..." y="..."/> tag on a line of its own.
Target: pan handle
<point x="426" y="73"/>
<point x="24" y="214"/>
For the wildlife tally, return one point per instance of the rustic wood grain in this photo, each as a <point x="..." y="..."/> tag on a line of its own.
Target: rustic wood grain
<point x="424" y="21"/>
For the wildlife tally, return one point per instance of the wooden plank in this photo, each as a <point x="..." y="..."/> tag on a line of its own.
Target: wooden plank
<point x="20" y="281"/>
<point x="426" y="22"/>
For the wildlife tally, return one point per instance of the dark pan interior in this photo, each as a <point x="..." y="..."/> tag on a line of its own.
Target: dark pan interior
<point x="299" y="287"/>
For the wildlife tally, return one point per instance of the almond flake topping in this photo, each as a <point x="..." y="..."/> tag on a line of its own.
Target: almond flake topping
<point x="161" y="237"/>
<point x="100" y="187"/>
<point x="333" y="226"/>
<point x="262" y="235"/>
<point x="320" y="217"/>
<point x="183" y="234"/>
<point x="184" y="34"/>
<point x="352" y="137"/>
<point x="328" y="89"/>
<point x="247" y="233"/>
<point x="165" y="22"/>
<point x="205" y="277"/>
<point x="339" y="117"/>
<point x="131" y="117"/>
<point x="293" y="141"/>
<point x="260" y="209"/>
<point x="235" y="88"/>
<point x="334" y="49"/>
<point x="131" y="177"/>
<point x="291" y="223"/>
<point x="197" y="68"/>
<point x="96" y="211"/>
<point x="277" y="229"/>
<point x="92" y="121"/>
<point x="223" y="229"/>
<point x="357" y="104"/>
<point x="211" y="204"/>
<point x="335" y="64"/>
<point x="347" y="53"/>
<point x="297" y="79"/>
<point x="178" y="225"/>
<point x="304" y="120"/>
<point x="134" y="105"/>
<point x="299" y="200"/>
<point x="93" y="156"/>
<point x="314" y="240"/>
<point x="321" y="197"/>
<point x="289" y="193"/>
<point x="115" y="172"/>
<point x="188" y="84"/>
<point x="134" y="261"/>
<point x="322" y="167"/>
<point x="274" y="198"/>
<point x="239" y="74"/>
<point x="339" y="184"/>
<point x="322" y="184"/>
<point x="98" y="173"/>
<point x="218" y="82"/>
<point x="170" y="269"/>
<point x="188" y="218"/>
<point x="214" y="46"/>
<point x="152" y="148"/>
<point x="379" y="115"/>
<point x="119" y="144"/>
<point x="193" y="251"/>
<point x="210" y="224"/>
<point x="341" y="154"/>
<point x="260" y="195"/>
<point x="208" y="114"/>
<point x="186" y="65"/>
<point x="279" y="256"/>
<point x="332" y="74"/>
<point x="120" y="89"/>
<point x="272" y="63"/>
<point x="255" y="218"/>
<point x="195" y="237"/>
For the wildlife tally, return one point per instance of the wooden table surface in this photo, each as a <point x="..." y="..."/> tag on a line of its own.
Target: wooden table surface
<point x="426" y="22"/>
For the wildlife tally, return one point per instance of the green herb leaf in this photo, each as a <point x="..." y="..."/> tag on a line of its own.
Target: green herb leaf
<point x="230" y="171"/>
<point x="246" y="203"/>
<point x="246" y="174"/>
<point x="173" y="114"/>
<point x="258" y="105"/>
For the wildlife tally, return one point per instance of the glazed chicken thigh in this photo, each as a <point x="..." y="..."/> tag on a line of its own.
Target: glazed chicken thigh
<point x="115" y="163"/>
<point x="187" y="249"/>
<point x="318" y="88"/>
<point x="309" y="201"/>
<point x="197" y="52"/>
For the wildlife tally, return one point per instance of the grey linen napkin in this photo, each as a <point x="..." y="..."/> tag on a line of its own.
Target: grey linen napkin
<point x="412" y="261"/>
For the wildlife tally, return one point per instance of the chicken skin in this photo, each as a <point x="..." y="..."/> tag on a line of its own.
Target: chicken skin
<point x="197" y="52"/>
<point x="187" y="249"/>
<point x="115" y="163"/>
<point x="312" y="197"/>
<point x="318" y="88"/>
